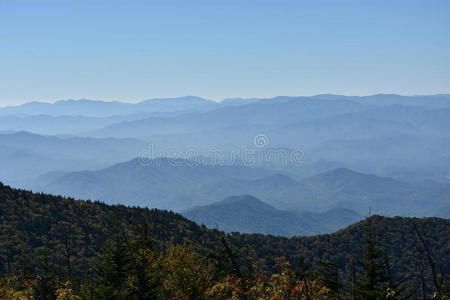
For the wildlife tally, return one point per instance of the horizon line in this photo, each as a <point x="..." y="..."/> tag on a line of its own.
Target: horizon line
<point x="222" y="99"/>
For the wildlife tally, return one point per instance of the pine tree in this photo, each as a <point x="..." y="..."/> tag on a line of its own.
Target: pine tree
<point x="145" y="268"/>
<point x="372" y="285"/>
<point x="114" y="268"/>
<point x="328" y="273"/>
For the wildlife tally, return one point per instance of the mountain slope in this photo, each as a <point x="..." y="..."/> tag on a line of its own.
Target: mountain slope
<point x="405" y="157"/>
<point x="248" y="214"/>
<point x="181" y="184"/>
<point x="163" y="183"/>
<point x="272" y="112"/>
<point x="31" y="222"/>
<point x="56" y="125"/>
<point x="376" y="122"/>
<point x="409" y="134"/>
<point x="432" y="101"/>
<point x="29" y="155"/>
<point x="278" y="190"/>
<point x="386" y="196"/>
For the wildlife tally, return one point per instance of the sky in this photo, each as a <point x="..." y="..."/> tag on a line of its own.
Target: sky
<point x="135" y="50"/>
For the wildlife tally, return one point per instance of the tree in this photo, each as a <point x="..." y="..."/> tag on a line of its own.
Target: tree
<point x="372" y="285"/>
<point x="187" y="275"/>
<point x="328" y="273"/>
<point x="46" y="282"/>
<point x="145" y="266"/>
<point x="114" y="268"/>
<point x="437" y="276"/>
<point x="14" y="288"/>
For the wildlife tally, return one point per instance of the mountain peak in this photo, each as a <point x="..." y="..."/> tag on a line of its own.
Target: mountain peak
<point x="245" y="199"/>
<point x="340" y="173"/>
<point x="329" y="96"/>
<point x="344" y="171"/>
<point x="176" y="99"/>
<point x="86" y="101"/>
<point x="343" y="177"/>
<point x="280" y="178"/>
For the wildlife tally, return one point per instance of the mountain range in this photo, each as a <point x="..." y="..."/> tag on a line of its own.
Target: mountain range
<point x="163" y="182"/>
<point x="25" y="156"/>
<point x="385" y="153"/>
<point x="179" y="184"/>
<point x="96" y="108"/>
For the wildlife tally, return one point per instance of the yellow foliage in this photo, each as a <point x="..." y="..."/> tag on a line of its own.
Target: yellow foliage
<point x="13" y="288"/>
<point x="65" y="292"/>
<point x="284" y="285"/>
<point x="186" y="274"/>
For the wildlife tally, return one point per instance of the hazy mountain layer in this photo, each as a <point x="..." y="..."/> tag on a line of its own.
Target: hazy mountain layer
<point x="181" y="184"/>
<point x="248" y="214"/>
<point x="163" y="183"/>
<point x="95" y="108"/>
<point x="24" y="156"/>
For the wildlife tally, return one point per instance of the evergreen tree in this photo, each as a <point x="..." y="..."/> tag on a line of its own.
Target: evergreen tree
<point x="113" y="269"/>
<point x="46" y="281"/>
<point x="328" y="273"/>
<point x="372" y="285"/>
<point x="145" y="268"/>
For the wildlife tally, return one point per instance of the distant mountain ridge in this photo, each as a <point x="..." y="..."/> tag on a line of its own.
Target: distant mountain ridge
<point x="25" y="155"/>
<point x="401" y="140"/>
<point x="167" y="183"/>
<point x="179" y="185"/>
<point x="264" y="113"/>
<point x="248" y="214"/>
<point x="96" y="108"/>
<point x="87" y="107"/>
<point x="409" y="134"/>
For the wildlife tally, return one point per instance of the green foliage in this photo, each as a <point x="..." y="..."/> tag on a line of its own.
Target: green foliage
<point x="114" y="269"/>
<point x="328" y="274"/>
<point x="118" y="252"/>
<point x="372" y="285"/>
<point x="144" y="274"/>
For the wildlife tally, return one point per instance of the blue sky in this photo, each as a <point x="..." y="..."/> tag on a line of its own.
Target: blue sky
<point x="134" y="50"/>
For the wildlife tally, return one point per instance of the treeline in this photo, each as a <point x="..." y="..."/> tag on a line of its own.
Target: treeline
<point x="134" y="267"/>
<point x="57" y="248"/>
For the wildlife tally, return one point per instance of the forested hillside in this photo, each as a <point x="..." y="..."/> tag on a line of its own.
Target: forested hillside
<point x="48" y="234"/>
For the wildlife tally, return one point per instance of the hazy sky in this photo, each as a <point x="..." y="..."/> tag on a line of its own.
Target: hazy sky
<point x="133" y="50"/>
